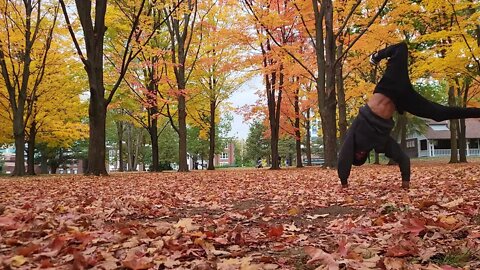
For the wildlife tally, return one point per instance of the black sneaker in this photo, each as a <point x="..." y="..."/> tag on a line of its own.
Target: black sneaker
<point x="373" y="61"/>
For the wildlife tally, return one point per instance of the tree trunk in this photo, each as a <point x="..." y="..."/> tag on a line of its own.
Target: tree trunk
<point x="298" y="135"/>
<point x="308" y="144"/>
<point x="138" y="145"/>
<point x="53" y="168"/>
<point x="462" y="134"/>
<point x="96" y="146"/>
<point x="182" y="135"/>
<point x="462" y="141"/>
<point x="43" y="164"/>
<point x="31" y="149"/>
<point x="129" y="145"/>
<point x="120" y="146"/>
<point x="342" y="104"/>
<point x="326" y="95"/>
<point x="154" y="141"/>
<point x="453" y="128"/>
<point x="211" y="133"/>
<point x="19" y="134"/>
<point x="274" y="115"/>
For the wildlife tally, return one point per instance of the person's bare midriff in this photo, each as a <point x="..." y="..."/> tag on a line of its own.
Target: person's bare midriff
<point x="381" y="105"/>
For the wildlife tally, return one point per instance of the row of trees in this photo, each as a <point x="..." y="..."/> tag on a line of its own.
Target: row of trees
<point x="156" y="62"/>
<point x="325" y="45"/>
<point x="175" y="62"/>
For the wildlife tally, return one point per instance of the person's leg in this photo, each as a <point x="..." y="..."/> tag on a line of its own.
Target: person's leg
<point x="397" y="66"/>
<point x="394" y="151"/>
<point x="395" y="51"/>
<point x="417" y="105"/>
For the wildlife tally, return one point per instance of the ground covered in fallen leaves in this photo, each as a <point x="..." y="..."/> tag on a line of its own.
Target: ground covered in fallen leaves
<point x="244" y="219"/>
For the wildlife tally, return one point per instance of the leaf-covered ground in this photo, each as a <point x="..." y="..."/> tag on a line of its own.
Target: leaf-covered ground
<point x="244" y="219"/>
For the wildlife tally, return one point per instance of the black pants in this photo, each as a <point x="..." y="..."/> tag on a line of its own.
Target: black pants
<point x="396" y="84"/>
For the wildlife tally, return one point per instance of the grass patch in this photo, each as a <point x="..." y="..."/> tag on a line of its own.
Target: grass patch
<point x="456" y="258"/>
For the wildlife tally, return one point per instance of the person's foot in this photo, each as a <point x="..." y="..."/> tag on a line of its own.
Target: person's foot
<point x="405" y="185"/>
<point x="344" y="185"/>
<point x="373" y="60"/>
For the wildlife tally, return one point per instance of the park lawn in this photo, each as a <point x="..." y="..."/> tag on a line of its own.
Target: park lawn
<point x="244" y="219"/>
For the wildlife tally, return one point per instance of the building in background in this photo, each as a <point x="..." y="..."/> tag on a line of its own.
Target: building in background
<point x="227" y="157"/>
<point x="436" y="140"/>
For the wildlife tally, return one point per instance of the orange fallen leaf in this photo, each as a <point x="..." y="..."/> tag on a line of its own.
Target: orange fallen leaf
<point x="275" y="231"/>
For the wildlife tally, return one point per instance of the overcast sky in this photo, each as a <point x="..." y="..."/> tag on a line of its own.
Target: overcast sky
<point x="244" y="96"/>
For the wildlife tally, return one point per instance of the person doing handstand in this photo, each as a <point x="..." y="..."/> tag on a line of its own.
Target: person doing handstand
<point x="373" y="124"/>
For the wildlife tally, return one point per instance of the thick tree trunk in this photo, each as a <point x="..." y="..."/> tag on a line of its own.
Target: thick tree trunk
<point x="308" y="139"/>
<point x="342" y="104"/>
<point x="274" y="115"/>
<point x="19" y="134"/>
<point x="120" y="146"/>
<point x="211" y="133"/>
<point x="31" y="150"/>
<point x="453" y="128"/>
<point x="43" y="164"/>
<point x="326" y="95"/>
<point x="462" y="130"/>
<point x="154" y="141"/>
<point x="96" y="146"/>
<point x="298" y="135"/>
<point x="330" y="111"/>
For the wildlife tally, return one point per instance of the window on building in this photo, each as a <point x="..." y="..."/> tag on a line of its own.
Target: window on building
<point x="224" y="155"/>
<point x="411" y="144"/>
<point x="423" y="145"/>
<point x="473" y="143"/>
<point x="439" y="127"/>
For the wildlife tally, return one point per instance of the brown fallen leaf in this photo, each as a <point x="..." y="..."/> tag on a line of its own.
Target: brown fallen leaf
<point x="394" y="263"/>
<point x="402" y="249"/>
<point x="138" y="263"/>
<point x="27" y="250"/>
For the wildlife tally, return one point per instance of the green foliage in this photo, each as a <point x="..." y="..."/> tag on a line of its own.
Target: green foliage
<point x="286" y="148"/>
<point x="256" y="145"/>
<point x="167" y="144"/>
<point x="239" y="153"/>
<point x="195" y="144"/>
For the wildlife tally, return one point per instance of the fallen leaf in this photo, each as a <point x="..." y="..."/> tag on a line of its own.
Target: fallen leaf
<point x="318" y="254"/>
<point x="138" y="263"/>
<point x="394" y="263"/>
<point x="402" y="249"/>
<point x="453" y="203"/>
<point x="17" y="261"/>
<point x="27" y="250"/>
<point x="294" y="211"/>
<point x="275" y="231"/>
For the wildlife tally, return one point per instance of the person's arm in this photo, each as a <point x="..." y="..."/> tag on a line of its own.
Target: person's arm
<point x="345" y="158"/>
<point x="394" y="151"/>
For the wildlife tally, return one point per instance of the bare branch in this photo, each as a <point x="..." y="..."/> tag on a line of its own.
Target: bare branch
<point x="72" y="34"/>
